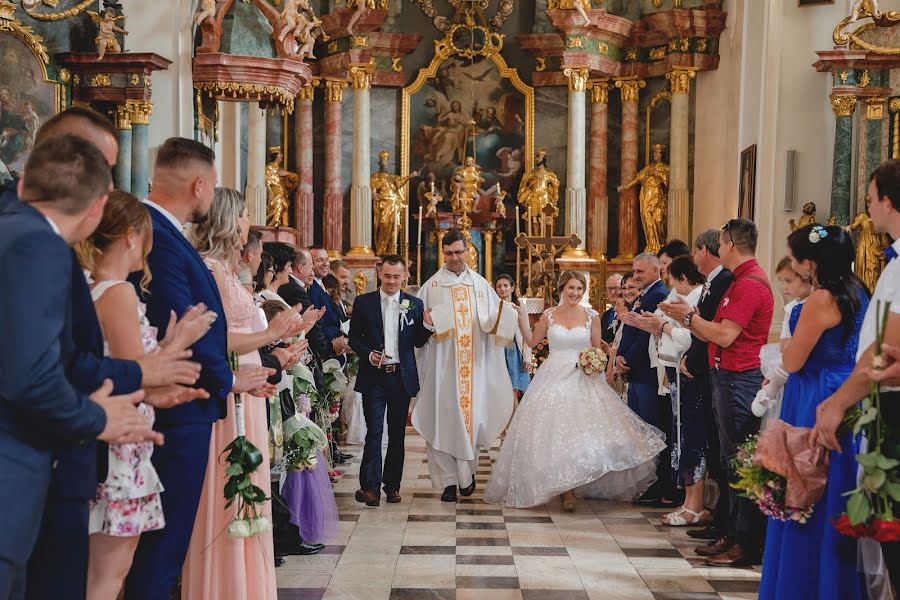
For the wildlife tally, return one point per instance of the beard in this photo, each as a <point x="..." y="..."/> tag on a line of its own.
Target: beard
<point x="198" y="217"/>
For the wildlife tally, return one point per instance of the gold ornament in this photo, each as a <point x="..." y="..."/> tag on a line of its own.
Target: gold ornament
<point x="539" y="195"/>
<point x="843" y="106"/>
<point x="680" y="80"/>
<point x="870" y="247"/>
<point x="388" y="199"/>
<point x="578" y="77"/>
<point x="278" y="182"/>
<point x="630" y="88"/>
<point x="654" y="181"/>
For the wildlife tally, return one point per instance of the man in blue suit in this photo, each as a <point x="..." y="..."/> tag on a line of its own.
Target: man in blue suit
<point x="63" y="191"/>
<point x="183" y="184"/>
<point x="633" y="361"/>
<point x="386" y="328"/>
<point x="331" y="320"/>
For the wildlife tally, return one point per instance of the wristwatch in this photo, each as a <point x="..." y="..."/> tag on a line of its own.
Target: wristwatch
<point x="687" y="319"/>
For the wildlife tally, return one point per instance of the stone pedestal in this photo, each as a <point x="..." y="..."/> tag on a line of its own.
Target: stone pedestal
<point x="255" y="192"/>
<point x="628" y="210"/>
<point x="333" y="219"/>
<point x="303" y="197"/>
<point x="575" y="190"/>
<point x="598" y="201"/>
<point x="678" y="226"/>
<point x="360" y="192"/>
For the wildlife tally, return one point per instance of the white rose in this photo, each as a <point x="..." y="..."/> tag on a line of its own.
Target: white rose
<point x="239" y="528"/>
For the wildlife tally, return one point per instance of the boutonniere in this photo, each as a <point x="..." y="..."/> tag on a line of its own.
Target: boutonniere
<point x="405" y="305"/>
<point x="725" y="302"/>
<point x="405" y="317"/>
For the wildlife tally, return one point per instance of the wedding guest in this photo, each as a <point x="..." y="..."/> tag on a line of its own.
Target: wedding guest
<point x="183" y="185"/>
<point x="736" y="334"/>
<point x="333" y="287"/>
<point x="341" y="270"/>
<point x="884" y="209"/>
<point x="667" y="254"/>
<point x="128" y="502"/>
<point x="622" y="306"/>
<point x="518" y="355"/>
<point x="633" y="361"/>
<point x="63" y="191"/>
<point x="795" y="289"/>
<point x="330" y="322"/>
<point x="695" y="365"/>
<point x="218" y="566"/>
<point x="251" y="256"/>
<point x="813" y="559"/>
<point x="295" y="292"/>
<point x="265" y="274"/>
<point x="608" y="319"/>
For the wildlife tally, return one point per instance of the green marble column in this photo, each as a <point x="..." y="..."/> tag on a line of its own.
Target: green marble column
<point x="841" y="171"/>
<point x="874" y="116"/>
<point x="140" y="147"/>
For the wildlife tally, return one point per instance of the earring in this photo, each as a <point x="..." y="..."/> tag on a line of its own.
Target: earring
<point x="131" y="246"/>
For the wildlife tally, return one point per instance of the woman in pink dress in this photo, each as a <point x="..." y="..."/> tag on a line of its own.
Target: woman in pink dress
<point x="219" y="567"/>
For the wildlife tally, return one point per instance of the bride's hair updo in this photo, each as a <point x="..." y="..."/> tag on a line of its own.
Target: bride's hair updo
<point x="566" y="276"/>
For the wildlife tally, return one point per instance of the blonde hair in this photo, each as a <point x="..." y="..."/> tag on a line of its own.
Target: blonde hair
<point x="219" y="236"/>
<point x="566" y="276"/>
<point x="123" y="214"/>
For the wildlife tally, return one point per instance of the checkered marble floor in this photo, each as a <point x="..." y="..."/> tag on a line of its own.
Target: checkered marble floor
<point x="423" y="548"/>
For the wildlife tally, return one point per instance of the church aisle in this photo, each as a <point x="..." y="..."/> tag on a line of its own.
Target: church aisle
<point x="423" y="548"/>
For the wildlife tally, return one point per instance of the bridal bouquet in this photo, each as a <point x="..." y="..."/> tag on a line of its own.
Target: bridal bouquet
<point x="591" y="361"/>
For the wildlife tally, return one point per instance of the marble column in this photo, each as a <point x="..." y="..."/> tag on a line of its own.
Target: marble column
<point x="333" y="215"/>
<point x="598" y="200"/>
<point x="303" y="197"/>
<point x="360" y="192"/>
<point x="628" y="237"/>
<point x="575" y="190"/>
<point x="255" y="192"/>
<point x="123" y="160"/>
<point x="232" y="155"/>
<point x="140" y="146"/>
<point x="875" y="111"/>
<point x="841" y="172"/>
<point x="679" y="212"/>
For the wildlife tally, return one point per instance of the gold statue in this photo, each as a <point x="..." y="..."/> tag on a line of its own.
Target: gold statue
<point x="278" y="182"/>
<point x="464" y="187"/>
<point x="106" y="38"/>
<point x="388" y="200"/>
<point x="582" y="6"/>
<point x="870" y="247"/>
<point x="808" y="218"/>
<point x="539" y="188"/>
<point x="864" y="8"/>
<point x="432" y="197"/>
<point x="499" y="206"/>
<point x="654" y="180"/>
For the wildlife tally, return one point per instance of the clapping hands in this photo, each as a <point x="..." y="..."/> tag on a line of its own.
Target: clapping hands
<point x="644" y="321"/>
<point x="183" y="333"/>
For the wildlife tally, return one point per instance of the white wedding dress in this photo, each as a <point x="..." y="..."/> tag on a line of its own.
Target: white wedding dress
<point x="572" y="431"/>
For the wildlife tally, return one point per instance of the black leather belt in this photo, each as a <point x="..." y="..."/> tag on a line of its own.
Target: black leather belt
<point x="392" y="368"/>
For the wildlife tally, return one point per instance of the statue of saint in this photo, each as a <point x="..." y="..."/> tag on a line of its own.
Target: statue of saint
<point x="278" y="182"/>
<point x="539" y="188"/>
<point x="388" y="200"/>
<point x="654" y="180"/>
<point x="464" y="187"/>
<point x="808" y="218"/>
<point x="870" y="247"/>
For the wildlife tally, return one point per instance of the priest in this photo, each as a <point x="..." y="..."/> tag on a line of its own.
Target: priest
<point x="466" y="398"/>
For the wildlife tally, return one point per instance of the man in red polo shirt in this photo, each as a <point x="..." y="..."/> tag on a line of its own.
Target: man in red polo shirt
<point x="736" y="335"/>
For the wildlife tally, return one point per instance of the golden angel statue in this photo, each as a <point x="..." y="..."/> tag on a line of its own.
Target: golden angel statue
<point x="465" y="186"/>
<point x="389" y="200"/>
<point x="106" y="38"/>
<point x="499" y="206"/>
<point x="278" y="182"/>
<point x="808" y="217"/>
<point x="654" y="180"/>
<point x="870" y="247"/>
<point x="539" y="188"/>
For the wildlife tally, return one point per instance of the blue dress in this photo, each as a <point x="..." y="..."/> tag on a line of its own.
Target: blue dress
<point x="812" y="560"/>
<point x="517" y="374"/>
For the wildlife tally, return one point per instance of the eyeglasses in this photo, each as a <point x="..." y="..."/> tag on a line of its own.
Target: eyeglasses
<point x="630" y="287"/>
<point x="454" y="252"/>
<point x="726" y="228"/>
<point x="272" y="271"/>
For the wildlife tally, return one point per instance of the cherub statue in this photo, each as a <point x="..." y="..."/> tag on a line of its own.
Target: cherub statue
<point x="582" y="6"/>
<point x="361" y="6"/>
<point x="30" y="4"/>
<point x="294" y="17"/>
<point x="808" y="217"/>
<point x="206" y="10"/>
<point x="307" y="39"/>
<point x="499" y="206"/>
<point x="864" y="8"/>
<point x="106" y="38"/>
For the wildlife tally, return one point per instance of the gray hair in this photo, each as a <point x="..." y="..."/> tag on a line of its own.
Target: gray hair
<point x="616" y="276"/>
<point x="648" y="257"/>
<point x="302" y="256"/>
<point x="219" y="236"/>
<point x="709" y="239"/>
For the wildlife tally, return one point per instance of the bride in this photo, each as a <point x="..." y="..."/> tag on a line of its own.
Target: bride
<point x="572" y="433"/>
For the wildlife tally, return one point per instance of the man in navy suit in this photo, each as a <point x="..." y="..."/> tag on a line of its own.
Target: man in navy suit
<point x="331" y="320"/>
<point x="633" y="361"/>
<point x="386" y="328"/>
<point x="608" y="319"/>
<point x="63" y="191"/>
<point x="184" y="180"/>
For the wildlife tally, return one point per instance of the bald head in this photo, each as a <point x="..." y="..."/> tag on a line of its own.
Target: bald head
<point x="88" y="125"/>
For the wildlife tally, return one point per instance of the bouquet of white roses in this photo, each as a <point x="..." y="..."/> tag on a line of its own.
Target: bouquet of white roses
<point x="591" y="361"/>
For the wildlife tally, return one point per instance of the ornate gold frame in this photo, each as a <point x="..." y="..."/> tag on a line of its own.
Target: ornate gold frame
<point x="35" y="43"/>
<point x="852" y="39"/>
<point x="468" y="18"/>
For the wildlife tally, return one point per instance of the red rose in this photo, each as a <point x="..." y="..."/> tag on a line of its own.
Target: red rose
<point x="884" y="531"/>
<point x="842" y="524"/>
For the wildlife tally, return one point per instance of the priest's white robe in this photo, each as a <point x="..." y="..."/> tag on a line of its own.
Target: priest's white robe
<point x="465" y="399"/>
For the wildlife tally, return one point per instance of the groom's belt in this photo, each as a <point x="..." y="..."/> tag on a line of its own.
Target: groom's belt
<point x="391" y="368"/>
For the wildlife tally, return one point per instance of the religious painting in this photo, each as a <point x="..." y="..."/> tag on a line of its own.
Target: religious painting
<point x="27" y="99"/>
<point x="747" y="189"/>
<point x="469" y="107"/>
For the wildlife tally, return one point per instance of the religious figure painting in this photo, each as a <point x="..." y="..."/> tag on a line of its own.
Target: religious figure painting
<point x="469" y="107"/>
<point x="747" y="190"/>
<point x="26" y="101"/>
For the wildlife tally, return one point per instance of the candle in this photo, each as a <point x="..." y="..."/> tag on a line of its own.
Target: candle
<point x="405" y="228"/>
<point x="420" y="220"/>
<point x="432" y="189"/>
<point x="517" y="221"/>
<point x="397" y="231"/>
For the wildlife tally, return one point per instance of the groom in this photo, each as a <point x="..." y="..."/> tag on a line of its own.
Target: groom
<point x="386" y="328"/>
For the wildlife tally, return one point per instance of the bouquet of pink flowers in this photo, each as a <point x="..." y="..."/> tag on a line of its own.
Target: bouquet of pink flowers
<point x="591" y="361"/>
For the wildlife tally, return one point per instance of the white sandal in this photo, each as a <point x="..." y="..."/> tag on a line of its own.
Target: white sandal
<point x="675" y="518"/>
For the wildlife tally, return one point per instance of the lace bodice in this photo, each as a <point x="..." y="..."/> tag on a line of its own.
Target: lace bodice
<point x="833" y="350"/>
<point x="240" y="310"/>
<point x="568" y="343"/>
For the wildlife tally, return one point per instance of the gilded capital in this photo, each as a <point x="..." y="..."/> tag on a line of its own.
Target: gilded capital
<point x="334" y="90"/>
<point x="140" y="111"/>
<point x="680" y="80"/>
<point x="600" y="92"/>
<point x="875" y="108"/>
<point x="630" y="88"/>
<point x="123" y="117"/>
<point x="843" y="106"/>
<point x="306" y="93"/>
<point x="361" y="77"/>
<point x="578" y="77"/>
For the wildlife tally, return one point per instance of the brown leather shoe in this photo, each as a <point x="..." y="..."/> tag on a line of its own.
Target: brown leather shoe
<point x="723" y="544"/>
<point x="737" y="556"/>
<point x="393" y="497"/>
<point x="368" y="497"/>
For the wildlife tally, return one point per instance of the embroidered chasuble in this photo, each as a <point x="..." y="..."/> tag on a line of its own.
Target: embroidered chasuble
<point x="466" y="397"/>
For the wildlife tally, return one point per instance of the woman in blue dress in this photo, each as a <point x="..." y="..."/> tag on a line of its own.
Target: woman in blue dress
<point x="518" y="355"/>
<point x="812" y="560"/>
